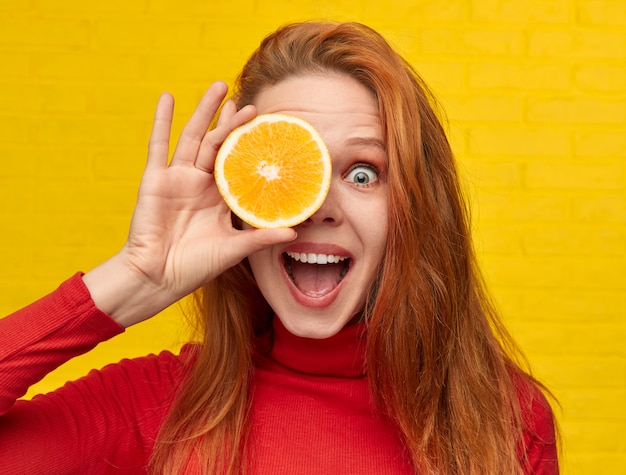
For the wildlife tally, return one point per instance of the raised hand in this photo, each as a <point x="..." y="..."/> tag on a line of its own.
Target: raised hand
<point x="181" y="234"/>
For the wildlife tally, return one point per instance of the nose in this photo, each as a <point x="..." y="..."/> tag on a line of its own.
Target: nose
<point x="330" y="211"/>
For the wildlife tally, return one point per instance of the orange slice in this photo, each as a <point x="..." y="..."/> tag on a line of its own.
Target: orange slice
<point x="273" y="171"/>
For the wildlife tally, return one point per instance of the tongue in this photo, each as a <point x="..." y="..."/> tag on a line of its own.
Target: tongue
<point x="315" y="280"/>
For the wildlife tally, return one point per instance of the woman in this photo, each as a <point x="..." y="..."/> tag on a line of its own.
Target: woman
<point x="390" y="361"/>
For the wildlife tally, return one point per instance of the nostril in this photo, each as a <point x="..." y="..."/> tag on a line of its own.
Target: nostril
<point x="316" y="219"/>
<point x="325" y="214"/>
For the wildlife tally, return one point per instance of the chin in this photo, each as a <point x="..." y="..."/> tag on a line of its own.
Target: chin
<point x="315" y="328"/>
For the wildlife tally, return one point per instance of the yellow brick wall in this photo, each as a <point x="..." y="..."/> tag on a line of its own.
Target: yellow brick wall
<point x="535" y="91"/>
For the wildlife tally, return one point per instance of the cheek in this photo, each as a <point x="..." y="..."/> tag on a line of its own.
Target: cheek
<point x="378" y="241"/>
<point x="260" y="264"/>
<point x="375" y="228"/>
<point x="256" y="264"/>
<point x="378" y="249"/>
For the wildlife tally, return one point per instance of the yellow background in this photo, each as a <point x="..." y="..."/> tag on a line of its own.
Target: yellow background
<point x="535" y="92"/>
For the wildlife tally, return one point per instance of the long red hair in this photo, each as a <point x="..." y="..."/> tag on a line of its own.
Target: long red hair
<point x="440" y="364"/>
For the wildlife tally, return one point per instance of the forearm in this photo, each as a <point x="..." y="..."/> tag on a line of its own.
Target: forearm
<point x="124" y="294"/>
<point x="37" y="339"/>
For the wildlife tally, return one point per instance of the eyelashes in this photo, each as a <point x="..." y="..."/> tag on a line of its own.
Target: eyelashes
<point x="362" y="174"/>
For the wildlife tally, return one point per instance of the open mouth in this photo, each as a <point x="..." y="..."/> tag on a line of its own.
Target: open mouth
<point x="315" y="275"/>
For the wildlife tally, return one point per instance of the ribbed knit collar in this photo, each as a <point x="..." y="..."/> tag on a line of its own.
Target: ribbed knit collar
<point x="342" y="355"/>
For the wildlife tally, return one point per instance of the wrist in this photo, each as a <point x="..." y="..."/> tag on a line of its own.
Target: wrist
<point x="124" y="293"/>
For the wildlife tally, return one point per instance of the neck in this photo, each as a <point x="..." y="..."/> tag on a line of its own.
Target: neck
<point x="341" y="355"/>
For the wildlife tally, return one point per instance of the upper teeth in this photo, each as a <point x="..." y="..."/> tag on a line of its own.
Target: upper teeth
<point x="312" y="258"/>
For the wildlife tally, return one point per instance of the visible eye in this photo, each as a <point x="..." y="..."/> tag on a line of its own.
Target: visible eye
<point x="362" y="174"/>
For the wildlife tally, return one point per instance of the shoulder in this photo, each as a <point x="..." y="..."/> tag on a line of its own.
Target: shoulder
<point x="540" y="440"/>
<point x="134" y="392"/>
<point x="535" y="408"/>
<point x="136" y="386"/>
<point x="111" y="416"/>
<point x="157" y="370"/>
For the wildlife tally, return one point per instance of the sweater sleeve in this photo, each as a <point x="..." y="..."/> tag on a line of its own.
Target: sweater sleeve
<point x="105" y="422"/>
<point x="37" y="339"/>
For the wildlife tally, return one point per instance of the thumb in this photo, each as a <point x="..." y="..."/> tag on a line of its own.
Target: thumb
<point x="250" y="241"/>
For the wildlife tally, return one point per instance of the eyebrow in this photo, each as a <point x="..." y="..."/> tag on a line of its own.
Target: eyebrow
<point x="367" y="141"/>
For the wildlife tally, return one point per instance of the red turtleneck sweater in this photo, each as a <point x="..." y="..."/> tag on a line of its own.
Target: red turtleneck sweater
<point x="311" y="410"/>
